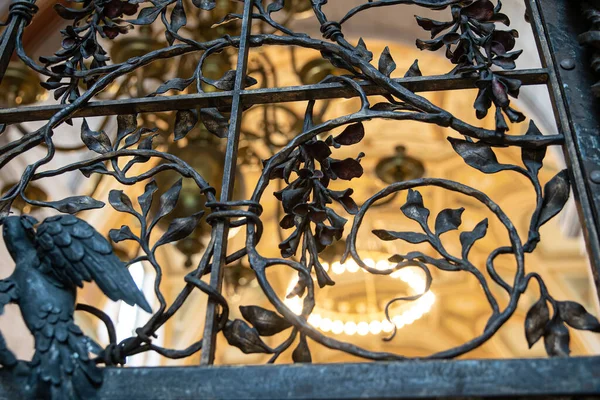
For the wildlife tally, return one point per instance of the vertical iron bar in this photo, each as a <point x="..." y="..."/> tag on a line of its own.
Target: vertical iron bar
<point x="222" y="227"/>
<point x="556" y="25"/>
<point x="9" y="37"/>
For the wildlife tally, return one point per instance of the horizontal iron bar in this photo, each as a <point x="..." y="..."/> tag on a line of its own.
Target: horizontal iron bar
<point x="258" y="96"/>
<point x="544" y="378"/>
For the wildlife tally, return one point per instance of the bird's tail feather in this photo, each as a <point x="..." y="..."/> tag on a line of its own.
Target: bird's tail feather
<point x="62" y="363"/>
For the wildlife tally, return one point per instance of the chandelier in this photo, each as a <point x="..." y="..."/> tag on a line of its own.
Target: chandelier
<point x="341" y="314"/>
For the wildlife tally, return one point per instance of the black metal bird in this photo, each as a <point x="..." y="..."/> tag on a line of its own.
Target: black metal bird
<point x="50" y="264"/>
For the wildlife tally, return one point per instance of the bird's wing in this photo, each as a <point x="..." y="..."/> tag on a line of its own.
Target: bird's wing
<point x="71" y="251"/>
<point x="8" y="293"/>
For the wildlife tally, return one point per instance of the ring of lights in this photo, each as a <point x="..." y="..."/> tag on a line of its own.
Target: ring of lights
<point x="376" y="323"/>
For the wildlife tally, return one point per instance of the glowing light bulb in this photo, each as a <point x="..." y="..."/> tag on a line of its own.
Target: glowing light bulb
<point x="350" y="328"/>
<point x="348" y="324"/>
<point x="326" y="325"/>
<point x="337" y="268"/>
<point x="398" y="320"/>
<point x="314" y="319"/>
<point x="386" y="326"/>
<point x="295" y="305"/>
<point x="375" y="327"/>
<point x="404" y="275"/>
<point x="352" y="266"/>
<point x="382" y="265"/>
<point x="337" y="327"/>
<point x="362" y="328"/>
<point x="418" y="286"/>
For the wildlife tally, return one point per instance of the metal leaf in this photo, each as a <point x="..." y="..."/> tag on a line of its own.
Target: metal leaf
<point x="120" y="201"/>
<point x="98" y="168"/>
<point x="386" y="62"/>
<point x="435" y="27"/>
<point x="448" y="220"/>
<point x="178" y="84"/>
<point x="478" y="155"/>
<point x="180" y="228"/>
<point x="361" y="47"/>
<point x="145" y="199"/>
<point x="346" y="169"/>
<point x="74" y="204"/>
<point x="557" y="338"/>
<point x="323" y="278"/>
<point x="168" y="200"/>
<point x="241" y="335"/>
<point x="410" y="237"/>
<point x="215" y="122"/>
<point x="185" y="120"/>
<point x="119" y="235"/>
<point x="205" y="4"/>
<point x="227" y="82"/>
<point x="266" y="322"/>
<point x="126" y="124"/>
<point x="414" y="70"/>
<point x="276" y="5"/>
<point x="319" y="150"/>
<point x="95" y="141"/>
<point x="467" y="239"/>
<point x="533" y="158"/>
<point x="147" y="15"/>
<point x="178" y="17"/>
<point x="414" y="208"/>
<point x="301" y="353"/>
<point x="536" y="321"/>
<point x="351" y="135"/>
<point x="577" y="316"/>
<point x="290" y="198"/>
<point x="137" y="135"/>
<point x="556" y="194"/>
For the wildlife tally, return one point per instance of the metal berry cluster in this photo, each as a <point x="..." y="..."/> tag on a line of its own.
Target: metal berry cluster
<point x="80" y="48"/>
<point x="82" y="56"/>
<point x="306" y="199"/>
<point x="474" y="44"/>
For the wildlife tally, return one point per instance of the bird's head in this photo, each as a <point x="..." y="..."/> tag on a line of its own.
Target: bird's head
<point x="18" y="232"/>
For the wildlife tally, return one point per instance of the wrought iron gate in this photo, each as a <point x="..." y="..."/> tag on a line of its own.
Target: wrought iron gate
<point x="484" y="58"/>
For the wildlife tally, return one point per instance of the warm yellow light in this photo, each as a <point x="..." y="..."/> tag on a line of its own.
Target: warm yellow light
<point x="407" y="316"/>
<point x="362" y="328"/>
<point x="350" y="328"/>
<point x="352" y="266"/>
<point x="387" y="326"/>
<point x="325" y="325"/>
<point x="314" y="319"/>
<point x="375" y="327"/>
<point x="338" y="268"/>
<point x="337" y="327"/>
<point x="382" y="265"/>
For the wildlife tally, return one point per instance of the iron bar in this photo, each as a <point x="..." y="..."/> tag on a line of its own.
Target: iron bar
<point x="221" y="229"/>
<point x="575" y="107"/>
<point x="532" y="378"/>
<point x="258" y="96"/>
<point x="18" y="17"/>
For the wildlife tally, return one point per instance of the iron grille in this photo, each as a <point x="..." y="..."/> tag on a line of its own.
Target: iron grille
<point x="484" y="58"/>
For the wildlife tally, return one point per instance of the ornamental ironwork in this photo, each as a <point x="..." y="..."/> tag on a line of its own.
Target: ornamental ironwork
<point x="53" y="258"/>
